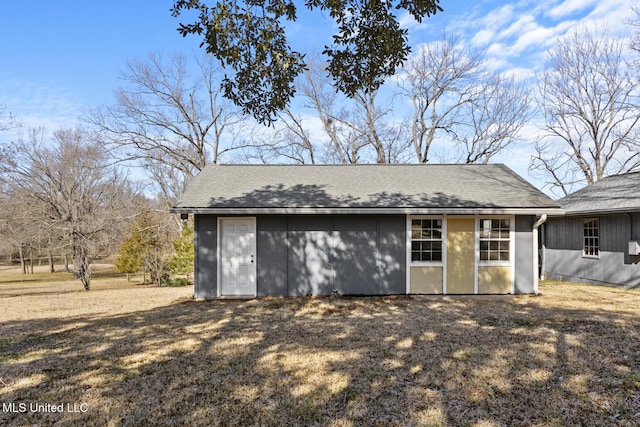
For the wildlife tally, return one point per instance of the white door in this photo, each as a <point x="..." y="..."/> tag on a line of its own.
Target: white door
<point x="237" y="257"/>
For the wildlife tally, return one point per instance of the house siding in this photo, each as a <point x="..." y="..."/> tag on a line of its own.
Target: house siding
<point x="391" y="254"/>
<point x="614" y="266"/>
<point x="272" y="255"/>
<point x="206" y="256"/>
<point x="494" y="279"/>
<point x="348" y="254"/>
<point x="299" y="255"/>
<point x="526" y="267"/>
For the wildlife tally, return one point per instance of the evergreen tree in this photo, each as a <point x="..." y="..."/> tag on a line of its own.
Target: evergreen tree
<point x="136" y="247"/>
<point x="182" y="261"/>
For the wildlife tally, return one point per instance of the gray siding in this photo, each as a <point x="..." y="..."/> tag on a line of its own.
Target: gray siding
<point x="524" y="266"/>
<point x="614" y="266"/>
<point x="309" y="269"/>
<point x="314" y="255"/>
<point x="355" y="255"/>
<point x="206" y="260"/>
<point x="392" y="253"/>
<point x="271" y="248"/>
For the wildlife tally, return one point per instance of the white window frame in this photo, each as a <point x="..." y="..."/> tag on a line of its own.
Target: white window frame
<point x="595" y="239"/>
<point x="511" y="241"/>
<point x="442" y="240"/>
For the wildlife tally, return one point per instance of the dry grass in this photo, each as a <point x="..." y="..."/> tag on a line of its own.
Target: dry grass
<point x="136" y="356"/>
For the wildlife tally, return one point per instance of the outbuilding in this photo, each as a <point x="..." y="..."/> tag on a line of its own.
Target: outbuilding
<point x="292" y="230"/>
<point x="598" y="240"/>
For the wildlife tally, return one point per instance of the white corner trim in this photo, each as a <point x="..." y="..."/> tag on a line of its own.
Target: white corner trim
<point x="476" y="258"/>
<point x="218" y="255"/>
<point x="408" y="254"/>
<point x="512" y="252"/>
<point x="444" y="254"/>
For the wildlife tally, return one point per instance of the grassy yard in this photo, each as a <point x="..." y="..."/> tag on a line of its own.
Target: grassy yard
<point x="124" y="354"/>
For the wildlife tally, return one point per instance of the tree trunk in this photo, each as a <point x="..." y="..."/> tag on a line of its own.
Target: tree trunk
<point x="31" y="260"/>
<point x="23" y="264"/>
<point x="81" y="262"/>
<point x="52" y="268"/>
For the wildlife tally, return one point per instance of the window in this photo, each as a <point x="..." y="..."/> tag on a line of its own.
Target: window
<point x="426" y="240"/>
<point x="591" y="237"/>
<point x="494" y="239"/>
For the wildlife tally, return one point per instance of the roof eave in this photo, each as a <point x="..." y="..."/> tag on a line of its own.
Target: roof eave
<point x="370" y="211"/>
<point x="618" y="211"/>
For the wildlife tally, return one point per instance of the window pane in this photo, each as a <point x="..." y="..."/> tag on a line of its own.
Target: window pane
<point x="426" y="235"/>
<point x="494" y="239"/>
<point x="416" y="229"/>
<point x="591" y="241"/>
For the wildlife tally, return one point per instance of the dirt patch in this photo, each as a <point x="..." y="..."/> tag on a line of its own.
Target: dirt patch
<point x="136" y="357"/>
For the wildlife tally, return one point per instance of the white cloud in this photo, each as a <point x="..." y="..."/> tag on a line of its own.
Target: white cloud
<point x="499" y="17"/>
<point x="483" y="38"/>
<point x="540" y="37"/>
<point x="613" y="15"/>
<point x="522" y="24"/>
<point x="38" y="105"/>
<point x="569" y="7"/>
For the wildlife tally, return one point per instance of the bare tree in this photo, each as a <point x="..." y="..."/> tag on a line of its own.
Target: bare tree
<point x="320" y="97"/>
<point x="70" y="187"/>
<point x="634" y="41"/>
<point x="289" y="139"/>
<point x="589" y="102"/>
<point x="7" y="119"/>
<point x="174" y="122"/>
<point x="354" y="130"/>
<point x="499" y="109"/>
<point x="459" y="102"/>
<point x="439" y="79"/>
<point x="19" y="230"/>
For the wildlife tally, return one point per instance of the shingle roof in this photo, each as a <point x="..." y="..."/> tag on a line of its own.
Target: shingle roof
<point x="614" y="193"/>
<point x="360" y="188"/>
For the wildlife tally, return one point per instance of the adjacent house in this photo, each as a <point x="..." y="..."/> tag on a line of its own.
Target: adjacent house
<point x="597" y="241"/>
<point x="290" y="230"/>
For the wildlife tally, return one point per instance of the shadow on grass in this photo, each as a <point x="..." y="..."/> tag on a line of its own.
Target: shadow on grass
<point x="348" y="361"/>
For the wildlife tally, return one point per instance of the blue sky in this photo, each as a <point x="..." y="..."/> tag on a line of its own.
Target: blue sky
<point x="59" y="58"/>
